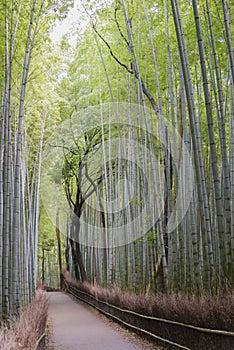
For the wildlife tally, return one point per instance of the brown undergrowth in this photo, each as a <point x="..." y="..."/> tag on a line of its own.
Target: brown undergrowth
<point x="208" y="311"/>
<point x="25" y="330"/>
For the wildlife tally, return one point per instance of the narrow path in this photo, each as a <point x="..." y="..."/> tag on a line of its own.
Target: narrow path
<point x="76" y="327"/>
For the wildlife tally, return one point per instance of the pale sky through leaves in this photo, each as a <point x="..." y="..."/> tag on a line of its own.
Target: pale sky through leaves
<point x="76" y="19"/>
<point x="69" y="25"/>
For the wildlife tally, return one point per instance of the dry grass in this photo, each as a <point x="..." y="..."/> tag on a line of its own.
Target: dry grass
<point x="208" y="311"/>
<point x="25" y="330"/>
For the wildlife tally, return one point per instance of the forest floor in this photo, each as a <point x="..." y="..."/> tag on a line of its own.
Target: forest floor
<point x="76" y="326"/>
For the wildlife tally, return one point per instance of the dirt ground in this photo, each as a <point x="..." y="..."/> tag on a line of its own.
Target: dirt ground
<point x="75" y="326"/>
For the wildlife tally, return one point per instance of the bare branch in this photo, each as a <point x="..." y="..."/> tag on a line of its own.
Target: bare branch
<point x="110" y="50"/>
<point x="119" y="29"/>
<point x="131" y="71"/>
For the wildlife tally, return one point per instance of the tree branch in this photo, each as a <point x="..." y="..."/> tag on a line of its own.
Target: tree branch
<point x="131" y="71"/>
<point x="110" y="50"/>
<point x="119" y="29"/>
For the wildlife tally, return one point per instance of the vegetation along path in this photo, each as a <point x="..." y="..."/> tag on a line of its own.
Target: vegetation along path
<point x="76" y="326"/>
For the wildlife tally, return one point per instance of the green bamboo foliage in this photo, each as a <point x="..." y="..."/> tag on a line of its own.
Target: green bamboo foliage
<point x="226" y="15"/>
<point x="213" y="152"/>
<point x="152" y="59"/>
<point x="16" y="236"/>
<point x="221" y="121"/>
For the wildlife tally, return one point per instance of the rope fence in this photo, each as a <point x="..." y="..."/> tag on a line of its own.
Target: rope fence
<point x="172" y="334"/>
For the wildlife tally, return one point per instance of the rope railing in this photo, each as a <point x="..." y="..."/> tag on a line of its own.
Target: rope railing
<point x="206" y="330"/>
<point x="128" y="325"/>
<point x="152" y="326"/>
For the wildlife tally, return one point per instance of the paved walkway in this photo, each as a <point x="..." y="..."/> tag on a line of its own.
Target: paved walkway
<point x="75" y="327"/>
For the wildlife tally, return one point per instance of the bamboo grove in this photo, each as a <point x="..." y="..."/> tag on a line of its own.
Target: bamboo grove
<point x="24" y="116"/>
<point x="139" y="174"/>
<point x="175" y="61"/>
